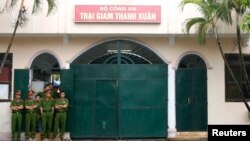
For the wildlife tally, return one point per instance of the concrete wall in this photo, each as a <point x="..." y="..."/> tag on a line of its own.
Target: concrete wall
<point x="26" y="49"/>
<point x="62" y="20"/>
<point x="60" y="36"/>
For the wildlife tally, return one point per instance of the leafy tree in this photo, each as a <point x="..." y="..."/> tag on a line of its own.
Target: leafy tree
<point x="246" y="20"/>
<point x="213" y="11"/>
<point x="21" y="18"/>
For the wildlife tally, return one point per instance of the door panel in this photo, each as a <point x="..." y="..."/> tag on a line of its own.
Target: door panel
<point x="21" y="82"/>
<point x="142" y="93"/>
<point x="66" y="77"/>
<point x="77" y="130"/>
<point x="119" y="101"/>
<point x="143" y="101"/>
<point x="84" y="102"/>
<point x="142" y="122"/>
<point x="191" y="100"/>
<point x="106" y="108"/>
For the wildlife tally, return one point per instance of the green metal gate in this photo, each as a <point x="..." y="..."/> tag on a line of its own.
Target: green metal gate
<point x="191" y="99"/>
<point x="21" y="82"/>
<point x="116" y="101"/>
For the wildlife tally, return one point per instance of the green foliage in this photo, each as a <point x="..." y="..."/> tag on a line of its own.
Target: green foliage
<point x="36" y="5"/>
<point x="245" y="2"/>
<point x="51" y="6"/>
<point x="246" y="23"/>
<point x="13" y="3"/>
<point x="213" y="10"/>
<point x="209" y="10"/>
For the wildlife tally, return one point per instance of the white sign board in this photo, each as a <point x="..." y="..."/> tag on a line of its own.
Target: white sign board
<point x="4" y="91"/>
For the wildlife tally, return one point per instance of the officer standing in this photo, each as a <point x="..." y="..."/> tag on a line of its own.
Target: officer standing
<point x="16" y="106"/>
<point x="31" y="115"/>
<point x="61" y="105"/>
<point x="47" y="110"/>
<point x="42" y="94"/>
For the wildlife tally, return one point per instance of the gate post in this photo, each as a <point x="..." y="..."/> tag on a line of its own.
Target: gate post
<point x="171" y="102"/>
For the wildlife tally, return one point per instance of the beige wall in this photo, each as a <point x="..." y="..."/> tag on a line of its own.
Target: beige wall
<point x="62" y="20"/>
<point x="60" y="36"/>
<point x="219" y="112"/>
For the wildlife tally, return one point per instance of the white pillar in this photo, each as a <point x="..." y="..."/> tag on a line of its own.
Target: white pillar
<point x="67" y="65"/>
<point x="171" y="102"/>
<point x="66" y="135"/>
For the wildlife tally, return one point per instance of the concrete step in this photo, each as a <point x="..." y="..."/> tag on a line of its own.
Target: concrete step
<point x="180" y="136"/>
<point x="38" y="138"/>
<point x="122" y="140"/>
<point x="188" y="139"/>
<point x="190" y="136"/>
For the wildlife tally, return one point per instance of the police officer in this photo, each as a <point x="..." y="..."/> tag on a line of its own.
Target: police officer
<point x="55" y="92"/>
<point x="47" y="110"/>
<point x="42" y="94"/>
<point x="31" y="115"/>
<point x="61" y="105"/>
<point x="16" y="106"/>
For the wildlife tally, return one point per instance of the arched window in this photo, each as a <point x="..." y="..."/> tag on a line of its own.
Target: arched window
<point x="119" y="52"/>
<point x="45" y="68"/>
<point x="192" y="61"/>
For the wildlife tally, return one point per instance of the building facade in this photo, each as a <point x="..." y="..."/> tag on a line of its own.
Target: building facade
<point x="131" y="59"/>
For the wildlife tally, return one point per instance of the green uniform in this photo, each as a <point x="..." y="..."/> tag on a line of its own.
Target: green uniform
<point x="31" y="116"/>
<point x="16" y="119"/>
<point x="61" y="115"/>
<point x="47" y="116"/>
<point x="55" y="95"/>
<point x="41" y="94"/>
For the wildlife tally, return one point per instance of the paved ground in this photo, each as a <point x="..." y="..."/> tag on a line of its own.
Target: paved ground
<point x="200" y="139"/>
<point x="190" y="139"/>
<point x="122" y="140"/>
<point x="170" y="139"/>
